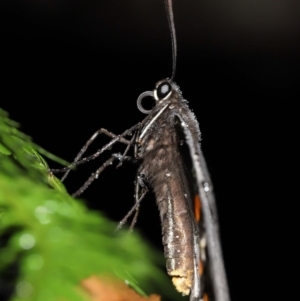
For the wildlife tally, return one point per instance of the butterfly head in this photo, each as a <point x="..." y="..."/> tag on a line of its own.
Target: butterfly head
<point x="164" y="90"/>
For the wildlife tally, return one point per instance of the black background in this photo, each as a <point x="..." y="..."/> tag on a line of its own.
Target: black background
<point x="71" y="67"/>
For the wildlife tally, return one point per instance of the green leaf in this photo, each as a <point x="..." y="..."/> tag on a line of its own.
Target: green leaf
<point x="55" y="240"/>
<point x="4" y="150"/>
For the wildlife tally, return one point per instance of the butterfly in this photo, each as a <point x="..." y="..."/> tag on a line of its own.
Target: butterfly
<point x="167" y="147"/>
<point x="173" y="164"/>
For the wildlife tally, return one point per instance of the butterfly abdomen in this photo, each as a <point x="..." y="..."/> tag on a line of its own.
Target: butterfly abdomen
<point x="172" y="197"/>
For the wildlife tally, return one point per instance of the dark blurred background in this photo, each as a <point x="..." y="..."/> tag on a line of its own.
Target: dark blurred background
<point x="71" y="67"/>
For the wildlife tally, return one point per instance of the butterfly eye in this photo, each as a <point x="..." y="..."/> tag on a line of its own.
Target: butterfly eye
<point x="163" y="90"/>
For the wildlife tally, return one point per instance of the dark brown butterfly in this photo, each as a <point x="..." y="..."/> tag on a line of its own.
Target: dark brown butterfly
<point x="173" y="164"/>
<point x="167" y="145"/>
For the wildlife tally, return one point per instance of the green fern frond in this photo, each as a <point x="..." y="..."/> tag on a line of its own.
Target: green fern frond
<point x="56" y="241"/>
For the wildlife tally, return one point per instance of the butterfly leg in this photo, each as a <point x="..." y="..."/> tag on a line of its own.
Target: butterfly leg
<point x="88" y="143"/>
<point x="132" y="141"/>
<point x="116" y="138"/>
<point x="139" y="183"/>
<point x="96" y="174"/>
<point x="138" y="199"/>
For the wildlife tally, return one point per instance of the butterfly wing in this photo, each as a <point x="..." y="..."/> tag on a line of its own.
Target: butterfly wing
<point x="210" y="267"/>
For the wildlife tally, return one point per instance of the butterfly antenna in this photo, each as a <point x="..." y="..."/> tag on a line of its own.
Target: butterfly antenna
<point x="170" y="15"/>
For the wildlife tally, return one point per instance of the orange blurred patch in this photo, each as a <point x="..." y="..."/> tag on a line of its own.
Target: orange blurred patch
<point x="200" y="268"/>
<point x="197" y="207"/>
<point x="100" y="289"/>
<point x="205" y="297"/>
